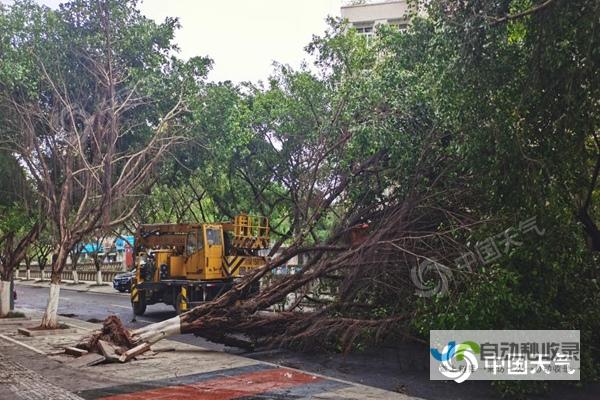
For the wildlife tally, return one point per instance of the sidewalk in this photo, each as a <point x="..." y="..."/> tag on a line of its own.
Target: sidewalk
<point x="36" y="368"/>
<point x="105" y="288"/>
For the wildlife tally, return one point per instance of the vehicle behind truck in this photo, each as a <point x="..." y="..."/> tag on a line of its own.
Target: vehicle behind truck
<point x="185" y="264"/>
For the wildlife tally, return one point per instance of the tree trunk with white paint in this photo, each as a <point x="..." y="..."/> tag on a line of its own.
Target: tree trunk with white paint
<point x="4" y="298"/>
<point x="154" y="332"/>
<point x="50" y="318"/>
<point x="98" y="277"/>
<point x="17" y="273"/>
<point x="75" y="277"/>
<point x="28" y="274"/>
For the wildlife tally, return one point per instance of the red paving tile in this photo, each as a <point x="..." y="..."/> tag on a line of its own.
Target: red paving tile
<point x="226" y="388"/>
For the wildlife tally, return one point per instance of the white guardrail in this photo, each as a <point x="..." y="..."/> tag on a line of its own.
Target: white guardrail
<point x="85" y="272"/>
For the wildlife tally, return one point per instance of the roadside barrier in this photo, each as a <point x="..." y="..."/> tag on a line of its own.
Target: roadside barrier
<point x="85" y="272"/>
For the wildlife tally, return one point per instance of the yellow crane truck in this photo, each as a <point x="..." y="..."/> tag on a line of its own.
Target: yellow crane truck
<point x="185" y="264"/>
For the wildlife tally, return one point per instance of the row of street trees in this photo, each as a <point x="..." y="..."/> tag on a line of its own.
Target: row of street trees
<point x="92" y="99"/>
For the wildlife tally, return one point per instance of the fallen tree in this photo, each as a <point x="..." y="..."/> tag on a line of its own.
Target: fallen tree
<point x="401" y="233"/>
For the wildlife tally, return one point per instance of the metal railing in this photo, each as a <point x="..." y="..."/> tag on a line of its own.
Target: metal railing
<point x="86" y="272"/>
<point x="251" y="226"/>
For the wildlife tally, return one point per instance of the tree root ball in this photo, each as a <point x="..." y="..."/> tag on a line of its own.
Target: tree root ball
<point x="113" y="331"/>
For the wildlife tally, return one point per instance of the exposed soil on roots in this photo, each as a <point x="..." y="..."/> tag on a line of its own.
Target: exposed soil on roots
<point x="113" y="331"/>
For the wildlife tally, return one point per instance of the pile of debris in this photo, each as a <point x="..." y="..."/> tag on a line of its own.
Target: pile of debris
<point x="112" y="343"/>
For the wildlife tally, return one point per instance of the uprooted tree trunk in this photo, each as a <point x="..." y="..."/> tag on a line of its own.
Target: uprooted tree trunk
<point x="406" y="227"/>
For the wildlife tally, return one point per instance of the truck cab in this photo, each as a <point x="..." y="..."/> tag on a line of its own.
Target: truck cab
<point x="204" y="251"/>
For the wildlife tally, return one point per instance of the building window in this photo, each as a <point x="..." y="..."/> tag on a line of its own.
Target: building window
<point x="366" y="30"/>
<point x="402" y="26"/>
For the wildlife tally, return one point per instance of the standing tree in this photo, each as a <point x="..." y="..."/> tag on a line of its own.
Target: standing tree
<point x="106" y="106"/>
<point x="74" y="256"/>
<point x="95" y="250"/>
<point x="28" y="259"/>
<point x="42" y="249"/>
<point x="19" y="225"/>
<point x="17" y="231"/>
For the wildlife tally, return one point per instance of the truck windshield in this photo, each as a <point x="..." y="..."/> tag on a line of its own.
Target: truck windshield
<point x="191" y="243"/>
<point x="213" y="236"/>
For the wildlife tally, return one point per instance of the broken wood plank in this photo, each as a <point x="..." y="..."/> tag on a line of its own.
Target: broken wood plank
<point x="108" y="350"/>
<point x="87" y="360"/>
<point x="164" y="349"/>
<point x="136" y="351"/>
<point x="75" y="352"/>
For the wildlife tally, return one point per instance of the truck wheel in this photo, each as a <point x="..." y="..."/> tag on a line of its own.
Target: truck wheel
<point x="177" y="305"/>
<point x="139" y="308"/>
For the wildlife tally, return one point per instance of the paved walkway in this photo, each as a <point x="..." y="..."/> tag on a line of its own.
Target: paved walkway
<point x="18" y="382"/>
<point x="36" y="368"/>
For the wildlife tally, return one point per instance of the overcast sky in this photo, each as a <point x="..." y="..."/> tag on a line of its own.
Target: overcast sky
<point x="243" y="37"/>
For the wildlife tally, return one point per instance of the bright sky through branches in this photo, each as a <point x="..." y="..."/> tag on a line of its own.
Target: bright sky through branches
<point x="243" y="37"/>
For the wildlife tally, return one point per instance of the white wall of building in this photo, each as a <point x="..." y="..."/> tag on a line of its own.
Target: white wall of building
<point x="376" y="13"/>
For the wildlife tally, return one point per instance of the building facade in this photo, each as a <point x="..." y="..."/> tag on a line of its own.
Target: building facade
<point x="365" y="17"/>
